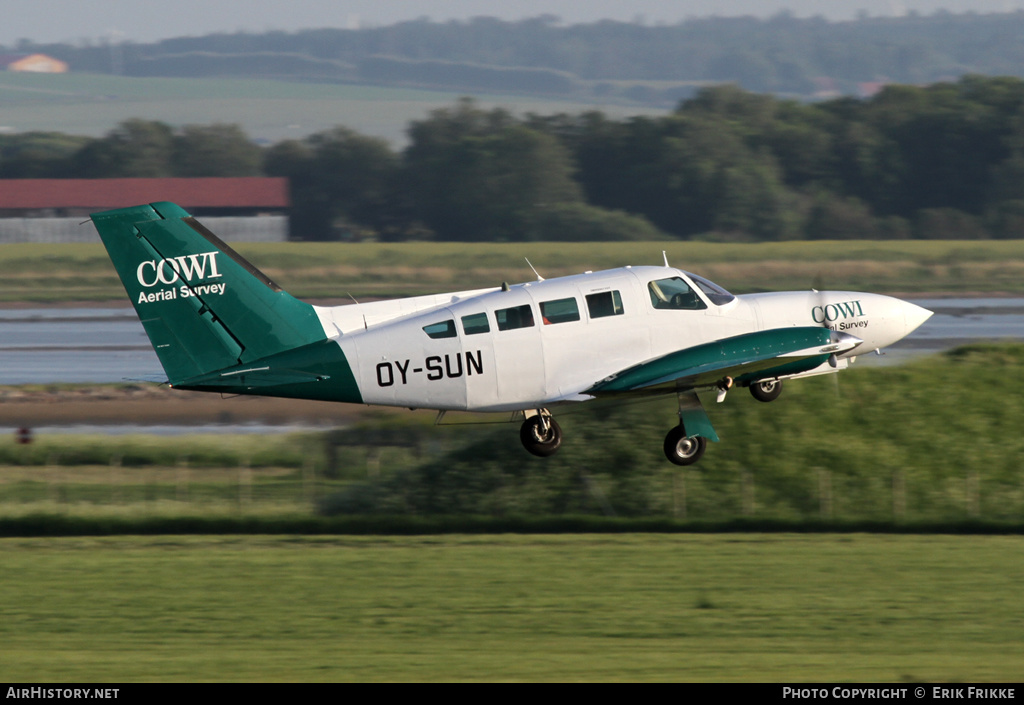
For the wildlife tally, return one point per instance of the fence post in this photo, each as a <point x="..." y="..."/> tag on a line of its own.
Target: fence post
<point x="115" y="481"/>
<point x="825" y="493"/>
<point x="244" y="484"/>
<point x="899" y="496"/>
<point x="748" y="493"/>
<point x="679" y="494"/>
<point x="183" y="479"/>
<point x="53" y="478"/>
<point x="309" y="479"/>
<point x="973" y="492"/>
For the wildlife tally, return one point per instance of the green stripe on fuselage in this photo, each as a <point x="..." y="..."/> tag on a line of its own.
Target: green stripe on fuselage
<point x="752" y="354"/>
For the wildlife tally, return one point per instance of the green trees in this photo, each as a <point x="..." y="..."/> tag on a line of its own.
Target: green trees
<point x="215" y="150"/>
<point x="936" y="161"/>
<point x="148" y="148"/>
<point x="343" y="185"/>
<point x="37" y="155"/>
<point x="139" y="148"/>
<point x="481" y="175"/>
<point x="942" y="161"/>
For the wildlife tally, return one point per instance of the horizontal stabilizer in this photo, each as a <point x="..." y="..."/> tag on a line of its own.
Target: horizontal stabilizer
<point x="255" y="377"/>
<point x="315" y="371"/>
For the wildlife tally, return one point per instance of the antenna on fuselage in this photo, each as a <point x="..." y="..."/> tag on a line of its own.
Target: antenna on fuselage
<point x="539" y="277"/>
<point x="664" y="256"/>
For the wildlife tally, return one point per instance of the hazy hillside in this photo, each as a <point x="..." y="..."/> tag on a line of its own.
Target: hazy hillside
<point x="652" y="65"/>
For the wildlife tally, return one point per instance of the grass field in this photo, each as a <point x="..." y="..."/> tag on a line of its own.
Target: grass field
<point x="745" y="607"/>
<point x="77" y="103"/>
<point x="82" y="272"/>
<point x="928" y="442"/>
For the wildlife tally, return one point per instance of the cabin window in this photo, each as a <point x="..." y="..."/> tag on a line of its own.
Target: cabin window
<point x="674" y="294"/>
<point x="444" y="329"/>
<point x="516" y="317"/>
<point x="559" y="311"/>
<point x="606" y="303"/>
<point x="475" y="323"/>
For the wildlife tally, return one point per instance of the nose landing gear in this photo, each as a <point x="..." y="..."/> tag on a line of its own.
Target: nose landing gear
<point x="681" y="450"/>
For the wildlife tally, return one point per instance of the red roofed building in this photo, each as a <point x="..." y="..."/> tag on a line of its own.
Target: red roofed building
<point x="221" y="196"/>
<point x="49" y="210"/>
<point x="36" y="63"/>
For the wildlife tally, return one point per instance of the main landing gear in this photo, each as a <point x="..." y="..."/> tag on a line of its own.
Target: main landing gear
<point x="541" y="435"/>
<point x="766" y="390"/>
<point x="684" y="445"/>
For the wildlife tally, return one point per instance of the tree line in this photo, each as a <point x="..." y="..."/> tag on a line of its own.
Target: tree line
<point x="656" y="64"/>
<point x="939" y="162"/>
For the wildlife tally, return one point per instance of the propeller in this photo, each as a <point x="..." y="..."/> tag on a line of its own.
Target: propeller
<point x="820" y="297"/>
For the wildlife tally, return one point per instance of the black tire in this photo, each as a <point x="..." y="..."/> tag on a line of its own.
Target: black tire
<point x="536" y="441"/>
<point x="766" y="390"/>
<point x="681" y="450"/>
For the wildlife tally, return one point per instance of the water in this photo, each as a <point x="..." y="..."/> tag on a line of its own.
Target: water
<point x="42" y="346"/>
<point x="167" y="429"/>
<point x="102" y="345"/>
<point x="956" y="322"/>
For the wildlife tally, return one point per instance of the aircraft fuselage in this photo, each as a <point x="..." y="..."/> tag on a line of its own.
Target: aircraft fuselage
<point x="602" y="322"/>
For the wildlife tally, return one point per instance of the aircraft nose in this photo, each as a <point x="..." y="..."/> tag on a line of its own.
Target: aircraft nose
<point x="888" y="320"/>
<point x="915" y="316"/>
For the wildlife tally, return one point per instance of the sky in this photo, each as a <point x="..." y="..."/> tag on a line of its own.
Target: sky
<point x="73" y="21"/>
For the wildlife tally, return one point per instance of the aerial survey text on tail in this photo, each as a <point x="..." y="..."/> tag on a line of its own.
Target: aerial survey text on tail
<point x="218" y="324"/>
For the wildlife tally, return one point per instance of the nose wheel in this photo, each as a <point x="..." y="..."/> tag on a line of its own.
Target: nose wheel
<point x="681" y="450"/>
<point x="541" y="435"/>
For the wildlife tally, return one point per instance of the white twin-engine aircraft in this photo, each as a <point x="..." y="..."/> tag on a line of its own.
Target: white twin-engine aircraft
<point x="219" y="325"/>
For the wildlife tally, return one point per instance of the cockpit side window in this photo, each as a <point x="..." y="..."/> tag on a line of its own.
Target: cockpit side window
<point x="675" y="294"/>
<point x="444" y="329"/>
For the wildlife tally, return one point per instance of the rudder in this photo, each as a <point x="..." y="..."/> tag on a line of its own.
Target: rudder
<point x="204" y="307"/>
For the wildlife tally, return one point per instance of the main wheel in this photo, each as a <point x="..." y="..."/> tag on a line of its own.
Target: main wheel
<point x="682" y="450"/>
<point x="767" y="390"/>
<point x="536" y="440"/>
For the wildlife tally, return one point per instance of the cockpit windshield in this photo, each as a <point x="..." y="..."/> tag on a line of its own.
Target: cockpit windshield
<point x="716" y="294"/>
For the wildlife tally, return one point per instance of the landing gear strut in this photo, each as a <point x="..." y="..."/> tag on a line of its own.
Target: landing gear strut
<point x="766" y="390"/>
<point x="541" y="435"/>
<point x="685" y="444"/>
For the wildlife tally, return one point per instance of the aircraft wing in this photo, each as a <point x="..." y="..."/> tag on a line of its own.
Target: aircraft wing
<point x="744" y="358"/>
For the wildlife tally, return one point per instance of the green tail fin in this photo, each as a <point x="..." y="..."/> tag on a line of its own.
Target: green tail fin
<point x="203" y="306"/>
